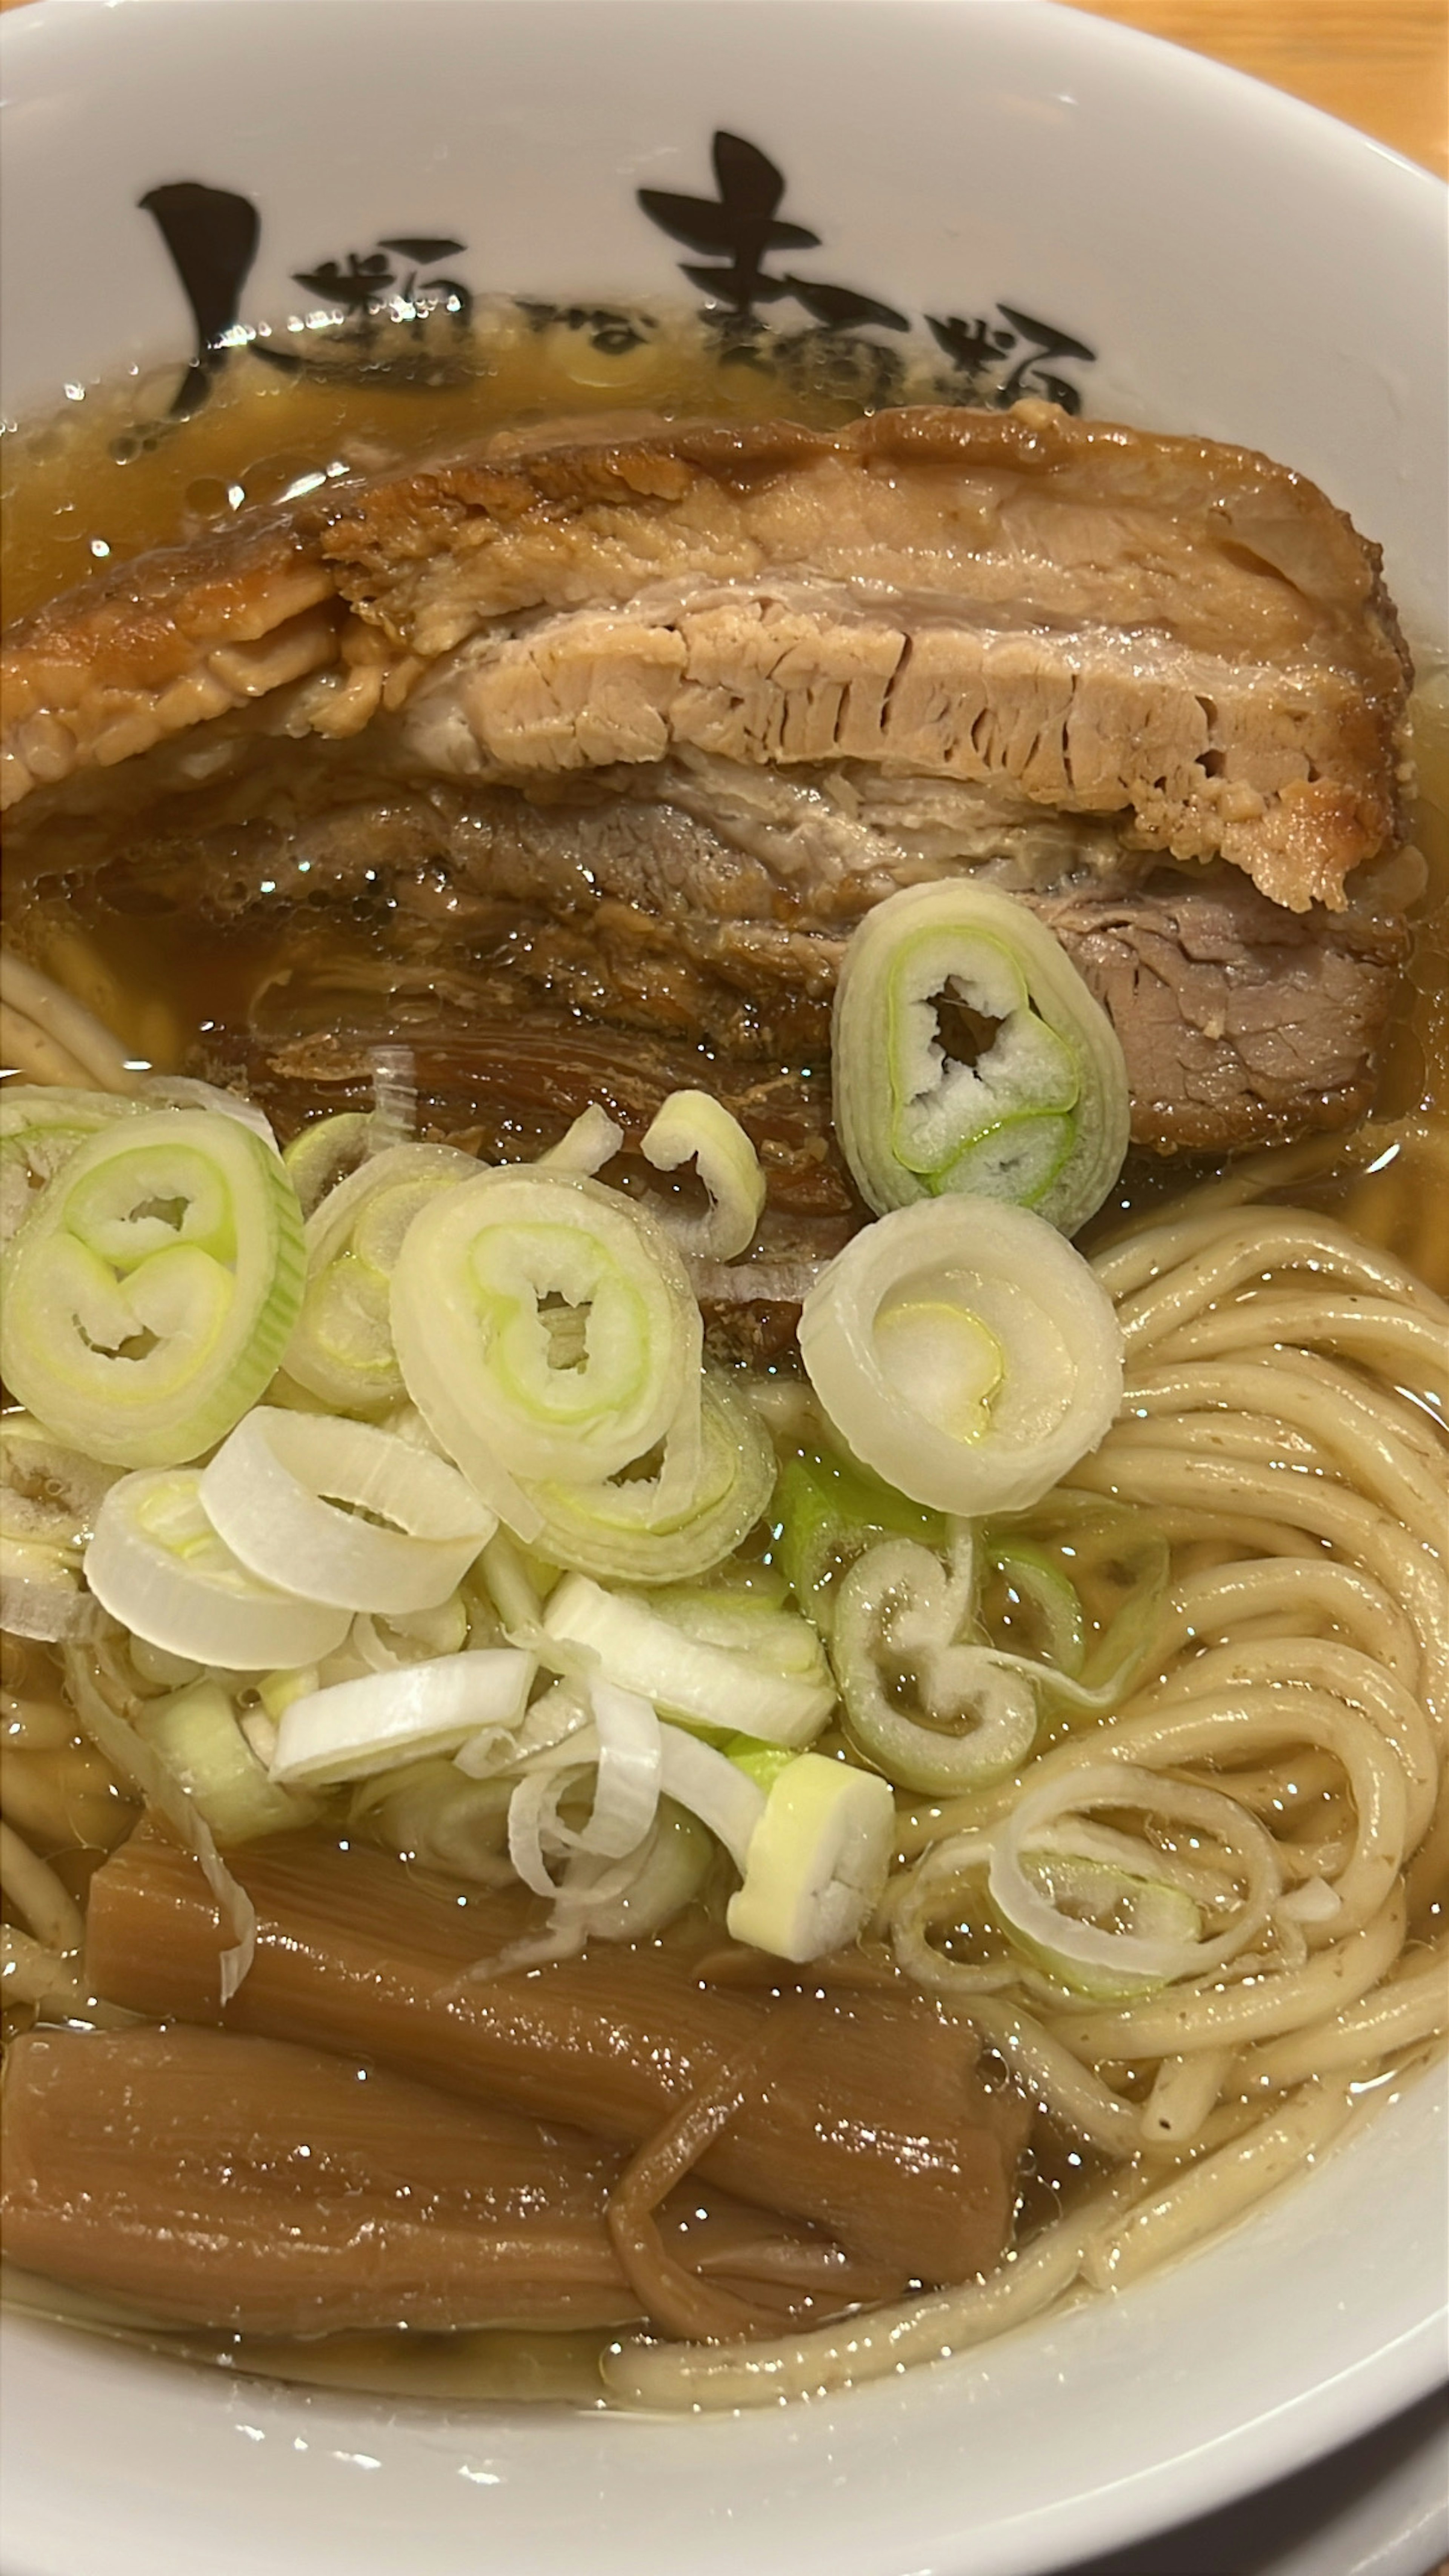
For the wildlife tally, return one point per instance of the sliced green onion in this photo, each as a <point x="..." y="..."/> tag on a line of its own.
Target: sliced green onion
<point x="181" y="1091"/>
<point x="546" y="1331"/>
<point x="198" y="1737"/>
<point x="709" y="1685"/>
<point x="49" y="1494"/>
<point x="762" y="1763"/>
<point x="618" y="1530"/>
<point x="592" y="1141"/>
<point x="747" y="1622"/>
<point x="717" y="1791"/>
<point x="324" y="1152"/>
<point x="1038" y="1874"/>
<point x="1040" y="1118"/>
<point x="415" y="1636"/>
<point x="149" y="1294"/>
<point x="157" y="1565"/>
<point x="817" y="1860"/>
<point x="694" y="1128"/>
<point x="1115" y="1563"/>
<point x="44" y="1598"/>
<point x="353" y="1729"/>
<point x="632" y="1899"/>
<point x="965" y="1352"/>
<point x="41" y="1126"/>
<point x="896" y="1641"/>
<point x="626" y="1738"/>
<point x="431" y="1813"/>
<point x="1034" y="1585"/>
<point x="263" y="1494"/>
<point x="342" y="1350"/>
<point x="826" y="1510"/>
<point x="139" y="1764"/>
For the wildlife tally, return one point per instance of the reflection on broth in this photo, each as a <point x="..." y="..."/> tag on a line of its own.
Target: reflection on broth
<point x="1090" y="2049"/>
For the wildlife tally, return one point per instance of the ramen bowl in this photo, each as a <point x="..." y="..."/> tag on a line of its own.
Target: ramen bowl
<point x="1032" y="202"/>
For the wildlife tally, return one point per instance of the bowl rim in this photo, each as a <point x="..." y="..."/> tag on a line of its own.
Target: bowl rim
<point x="1379" y="2383"/>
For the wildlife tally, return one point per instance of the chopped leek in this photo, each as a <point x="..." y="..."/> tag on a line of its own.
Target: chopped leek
<point x="592" y="1141"/>
<point x="545" y="1329"/>
<point x="826" y="1509"/>
<point x="342" y="1347"/>
<point x="323" y="1153"/>
<point x="149" y="1293"/>
<point x="353" y="1729"/>
<point x="198" y="1738"/>
<point x="718" y="1791"/>
<point x="430" y="1812"/>
<point x="1040" y="1116"/>
<point x="157" y="1565"/>
<point x="41" y="1126"/>
<point x="1116" y="1902"/>
<point x="965" y="1352"/>
<point x="264" y="1495"/>
<point x="896" y="1639"/>
<point x="685" y="1677"/>
<point x="1040" y="1611"/>
<point x="617" y="1529"/>
<point x="817" y="1860"/>
<point x="1110" y="1914"/>
<point x="692" y="1127"/>
<point x="49" y="1494"/>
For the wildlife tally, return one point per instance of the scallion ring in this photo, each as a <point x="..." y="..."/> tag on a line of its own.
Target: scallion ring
<point x="149" y="1294"/>
<point x="964" y="1351"/>
<point x="273" y="1491"/>
<point x="545" y="1330"/>
<point x="1039" y="1117"/>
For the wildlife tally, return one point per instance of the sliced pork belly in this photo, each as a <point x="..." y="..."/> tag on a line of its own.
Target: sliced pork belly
<point x="640" y="719"/>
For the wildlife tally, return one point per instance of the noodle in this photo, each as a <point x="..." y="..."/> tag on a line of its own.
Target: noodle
<point x="1269" y="1758"/>
<point x="1208" y="2194"/>
<point x="53" y="1916"/>
<point x="51" y="1037"/>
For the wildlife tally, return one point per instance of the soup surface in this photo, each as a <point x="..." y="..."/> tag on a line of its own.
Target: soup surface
<point x="1317" y="1674"/>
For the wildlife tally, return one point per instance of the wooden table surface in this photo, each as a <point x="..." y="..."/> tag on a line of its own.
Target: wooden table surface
<point x="1380" y="64"/>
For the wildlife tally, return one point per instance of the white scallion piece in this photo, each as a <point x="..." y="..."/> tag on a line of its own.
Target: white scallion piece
<point x="198" y="1737"/>
<point x="621" y="1530"/>
<point x="694" y="1128"/>
<point x="592" y="1141"/>
<point x="264" y="1495"/>
<point x="1109" y="1914"/>
<point x="353" y="1729"/>
<point x="897" y="1615"/>
<point x="545" y="1328"/>
<point x="341" y="1350"/>
<point x="1039" y="1118"/>
<point x="146" y="1299"/>
<point x="712" y="1788"/>
<point x="686" y="1677"/>
<point x="182" y="1091"/>
<point x="157" y="1565"/>
<point x="966" y="1352"/>
<point x="817" y="1861"/>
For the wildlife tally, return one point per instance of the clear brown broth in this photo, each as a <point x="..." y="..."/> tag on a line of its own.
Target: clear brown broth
<point x="87" y="489"/>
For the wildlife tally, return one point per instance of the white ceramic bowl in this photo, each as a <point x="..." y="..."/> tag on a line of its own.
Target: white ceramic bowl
<point x="1234" y="264"/>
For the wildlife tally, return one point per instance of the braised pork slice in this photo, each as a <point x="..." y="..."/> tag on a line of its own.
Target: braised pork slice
<point x="635" y="721"/>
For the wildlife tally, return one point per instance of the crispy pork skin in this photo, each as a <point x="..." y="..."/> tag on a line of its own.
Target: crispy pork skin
<point x="634" y="721"/>
<point x="1102" y="622"/>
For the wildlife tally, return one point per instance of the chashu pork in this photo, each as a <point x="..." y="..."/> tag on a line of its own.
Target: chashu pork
<point x="626" y="724"/>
